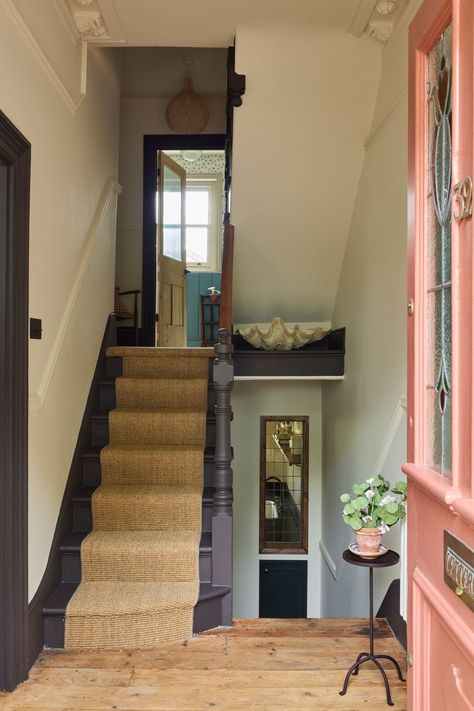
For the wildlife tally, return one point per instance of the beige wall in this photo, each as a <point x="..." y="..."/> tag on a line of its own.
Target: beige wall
<point x="298" y="153"/>
<point x="364" y="418"/>
<point x="74" y="163"/>
<point x="251" y="400"/>
<point x="142" y="112"/>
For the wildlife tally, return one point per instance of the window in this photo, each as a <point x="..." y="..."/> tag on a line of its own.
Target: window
<point x="203" y="223"/>
<point x="284" y="485"/>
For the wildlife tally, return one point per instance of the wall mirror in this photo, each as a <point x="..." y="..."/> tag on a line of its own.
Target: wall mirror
<point x="284" y="484"/>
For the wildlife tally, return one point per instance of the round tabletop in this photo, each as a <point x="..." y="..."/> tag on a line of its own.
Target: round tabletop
<point x="384" y="561"/>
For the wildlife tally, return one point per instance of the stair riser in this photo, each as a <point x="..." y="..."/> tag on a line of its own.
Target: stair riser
<point x="71" y="567"/>
<point x="82" y="516"/>
<point x="100" y="432"/>
<point x="54" y="627"/>
<point x="92" y="474"/>
<point x="207" y="614"/>
<point x="107" y="399"/>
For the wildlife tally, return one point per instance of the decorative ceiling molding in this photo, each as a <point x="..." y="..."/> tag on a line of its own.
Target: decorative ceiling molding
<point x="72" y="102"/>
<point x="377" y="18"/>
<point x="361" y="18"/>
<point x="95" y="21"/>
<point x="90" y="24"/>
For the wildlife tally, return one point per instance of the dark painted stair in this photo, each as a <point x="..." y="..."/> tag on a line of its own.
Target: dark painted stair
<point x="208" y="611"/>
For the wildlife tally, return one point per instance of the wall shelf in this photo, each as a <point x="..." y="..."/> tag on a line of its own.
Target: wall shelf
<point x="323" y="360"/>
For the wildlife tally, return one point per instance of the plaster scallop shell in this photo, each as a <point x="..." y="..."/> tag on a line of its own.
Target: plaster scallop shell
<point x="385" y="7"/>
<point x="278" y="337"/>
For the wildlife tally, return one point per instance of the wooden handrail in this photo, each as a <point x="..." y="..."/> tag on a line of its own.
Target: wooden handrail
<point x="225" y="314"/>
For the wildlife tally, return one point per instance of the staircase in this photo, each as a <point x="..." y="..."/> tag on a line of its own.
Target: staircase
<point x="212" y="608"/>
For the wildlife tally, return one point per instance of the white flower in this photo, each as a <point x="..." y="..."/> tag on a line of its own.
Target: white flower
<point x="387" y="500"/>
<point x="369" y="481"/>
<point x="369" y="494"/>
<point x="366" y="518"/>
<point x="384" y="528"/>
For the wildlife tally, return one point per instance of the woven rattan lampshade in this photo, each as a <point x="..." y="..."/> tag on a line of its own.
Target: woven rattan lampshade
<point x="187" y="112"/>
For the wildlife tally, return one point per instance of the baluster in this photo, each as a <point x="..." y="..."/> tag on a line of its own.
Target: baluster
<point x="223" y="377"/>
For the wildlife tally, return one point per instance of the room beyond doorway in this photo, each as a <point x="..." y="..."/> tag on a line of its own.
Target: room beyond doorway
<point x="207" y="144"/>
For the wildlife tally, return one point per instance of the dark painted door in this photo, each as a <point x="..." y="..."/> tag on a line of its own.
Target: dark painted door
<point x="283" y="588"/>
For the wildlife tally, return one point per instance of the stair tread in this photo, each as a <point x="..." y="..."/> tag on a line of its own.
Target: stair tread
<point x="72" y="542"/>
<point x="85" y="493"/>
<point x="107" y="597"/>
<point x="94" y="452"/>
<point x="57" y="602"/>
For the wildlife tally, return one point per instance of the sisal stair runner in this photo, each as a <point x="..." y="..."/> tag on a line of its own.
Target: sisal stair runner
<point x="140" y="563"/>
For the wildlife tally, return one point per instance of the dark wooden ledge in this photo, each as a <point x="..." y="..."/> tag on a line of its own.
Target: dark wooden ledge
<point x="324" y="359"/>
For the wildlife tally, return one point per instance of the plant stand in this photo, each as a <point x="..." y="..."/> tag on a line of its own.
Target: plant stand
<point x="384" y="561"/>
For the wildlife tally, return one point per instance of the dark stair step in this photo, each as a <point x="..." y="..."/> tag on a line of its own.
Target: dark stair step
<point x="207" y="613"/>
<point x="107" y="399"/>
<point x="91" y="466"/>
<point x="82" y="509"/>
<point x="100" y="429"/>
<point x="70" y="552"/>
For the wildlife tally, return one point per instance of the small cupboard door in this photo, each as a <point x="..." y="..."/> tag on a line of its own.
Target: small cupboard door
<point x="440" y="354"/>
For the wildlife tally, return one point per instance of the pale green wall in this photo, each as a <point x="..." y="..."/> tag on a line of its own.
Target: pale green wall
<point x="364" y="420"/>
<point x="250" y="400"/>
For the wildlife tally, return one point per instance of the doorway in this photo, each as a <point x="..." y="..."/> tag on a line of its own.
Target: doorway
<point x="14" y="223"/>
<point x="176" y="147"/>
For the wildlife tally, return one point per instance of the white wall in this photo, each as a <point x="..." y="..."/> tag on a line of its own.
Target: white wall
<point x="298" y="153"/>
<point x="364" y="421"/>
<point x="251" y="400"/>
<point x="74" y="163"/>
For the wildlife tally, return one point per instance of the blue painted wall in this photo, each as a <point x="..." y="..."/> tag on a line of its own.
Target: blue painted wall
<point x="197" y="283"/>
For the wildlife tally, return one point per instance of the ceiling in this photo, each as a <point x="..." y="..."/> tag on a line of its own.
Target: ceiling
<point x="207" y="23"/>
<point x="160" y="71"/>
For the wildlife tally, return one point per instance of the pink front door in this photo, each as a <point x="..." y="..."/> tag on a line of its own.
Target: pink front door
<point x="440" y="359"/>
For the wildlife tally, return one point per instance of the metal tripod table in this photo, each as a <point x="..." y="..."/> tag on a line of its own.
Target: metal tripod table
<point x="384" y="561"/>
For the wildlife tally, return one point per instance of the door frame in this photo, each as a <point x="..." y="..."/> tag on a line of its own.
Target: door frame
<point x="15" y="152"/>
<point x="151" y="145"/>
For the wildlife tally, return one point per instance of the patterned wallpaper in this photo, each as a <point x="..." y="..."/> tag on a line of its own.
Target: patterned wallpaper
<point x="208" y="163"/>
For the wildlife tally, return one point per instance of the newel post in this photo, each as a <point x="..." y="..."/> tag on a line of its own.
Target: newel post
<point x="223" y="378"/>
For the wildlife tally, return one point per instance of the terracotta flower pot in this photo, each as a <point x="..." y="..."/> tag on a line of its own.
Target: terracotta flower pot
<point x="368" y="540"/>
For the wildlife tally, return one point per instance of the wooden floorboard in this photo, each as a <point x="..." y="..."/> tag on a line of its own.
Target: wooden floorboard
<point x="267" y="665"/>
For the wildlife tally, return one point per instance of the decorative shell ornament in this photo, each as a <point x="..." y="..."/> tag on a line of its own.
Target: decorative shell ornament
<point x="187" y="112"/>
<point x="278" y="337"/>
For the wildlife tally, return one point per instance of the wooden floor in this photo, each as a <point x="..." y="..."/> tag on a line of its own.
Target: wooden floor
<point x="269" y="665"/>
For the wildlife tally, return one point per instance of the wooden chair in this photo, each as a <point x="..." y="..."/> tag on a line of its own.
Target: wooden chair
<point x="122" y="311"/>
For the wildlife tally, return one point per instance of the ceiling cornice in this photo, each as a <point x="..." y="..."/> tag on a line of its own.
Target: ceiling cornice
<point x="361" y="18"/>
<point x="96" y="20"/>
<point x="376" y="18"/>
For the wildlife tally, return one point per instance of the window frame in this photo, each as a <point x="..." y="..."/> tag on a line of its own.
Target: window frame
<point x="285" y="549"/>
<point x="214" y="183"/>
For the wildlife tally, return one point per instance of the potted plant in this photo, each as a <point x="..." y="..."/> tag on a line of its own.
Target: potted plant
<point x="371" y="509"/>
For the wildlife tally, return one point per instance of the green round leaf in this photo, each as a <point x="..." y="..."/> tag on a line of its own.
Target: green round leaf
<point x="392" y="507"/>
<point x="356" y="523"/>
<point x="360" y="503"/>
<point x="345" y="498"/>
<point x="348" y="509"/>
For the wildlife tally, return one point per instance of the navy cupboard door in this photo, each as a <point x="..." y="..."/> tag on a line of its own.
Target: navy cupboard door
<point x="283" y="588"/>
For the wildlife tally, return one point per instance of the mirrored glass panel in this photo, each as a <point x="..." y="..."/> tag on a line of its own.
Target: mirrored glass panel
<point x="284" y="485"/>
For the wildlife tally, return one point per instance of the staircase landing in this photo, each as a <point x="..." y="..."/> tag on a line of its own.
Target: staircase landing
<point x="270" y="665"/>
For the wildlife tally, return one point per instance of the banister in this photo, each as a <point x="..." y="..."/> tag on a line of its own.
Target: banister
<point x="225" y="313"/>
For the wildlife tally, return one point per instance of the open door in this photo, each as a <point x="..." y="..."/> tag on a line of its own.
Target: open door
<point x="171" y="254"/>
<point x="440" y="364"/>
